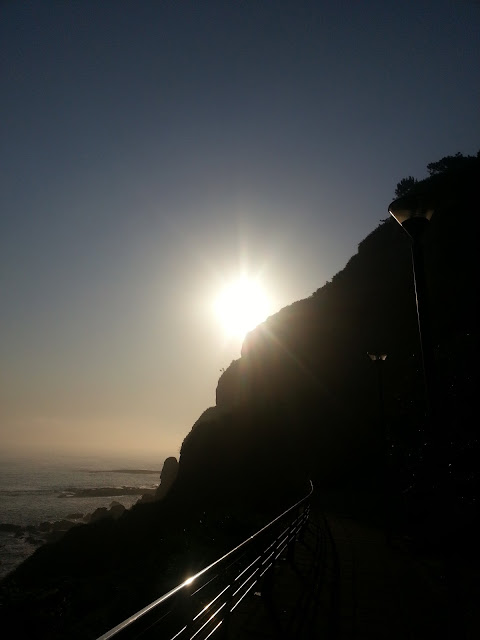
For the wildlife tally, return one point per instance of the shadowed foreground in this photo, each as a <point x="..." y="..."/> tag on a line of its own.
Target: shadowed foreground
<point x="347" y="582"/>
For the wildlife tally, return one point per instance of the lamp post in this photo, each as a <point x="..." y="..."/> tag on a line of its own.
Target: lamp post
<point x="414" y="215"/>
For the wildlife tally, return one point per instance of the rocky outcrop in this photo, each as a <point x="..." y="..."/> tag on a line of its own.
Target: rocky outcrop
<point x="167" y="477"/>
<point x="46" y="531"/>
<point x="116" y="510"/>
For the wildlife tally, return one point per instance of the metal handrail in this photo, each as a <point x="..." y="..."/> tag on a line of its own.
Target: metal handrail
<point x="173" y="616"/>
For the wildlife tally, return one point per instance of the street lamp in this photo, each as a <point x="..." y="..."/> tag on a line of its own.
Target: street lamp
<point x="414" y="214"/>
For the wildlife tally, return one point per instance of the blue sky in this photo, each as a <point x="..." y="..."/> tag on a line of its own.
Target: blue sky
<point x="152" y="150"/>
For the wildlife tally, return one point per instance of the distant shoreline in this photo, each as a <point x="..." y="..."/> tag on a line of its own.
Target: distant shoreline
<point x="105" y="492"/>
<point x="136" y="471"/>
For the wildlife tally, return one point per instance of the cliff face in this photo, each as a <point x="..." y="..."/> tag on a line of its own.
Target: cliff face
<point x="304" y="391"/>
<point x="318" y="345"/>
<point x="303" y="395"/>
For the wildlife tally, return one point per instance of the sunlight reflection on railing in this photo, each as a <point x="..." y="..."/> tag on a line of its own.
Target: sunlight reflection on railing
<point x="202" y="604"/>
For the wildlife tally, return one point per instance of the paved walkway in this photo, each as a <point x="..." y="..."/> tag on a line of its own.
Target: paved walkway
<point x="347" y="583"/>
<point x="382" y="591"/>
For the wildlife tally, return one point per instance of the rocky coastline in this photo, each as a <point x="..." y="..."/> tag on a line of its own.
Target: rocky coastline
<point x="105" y="492"/>
<point x="46" y="532"/>
<point x="36" y="535"/>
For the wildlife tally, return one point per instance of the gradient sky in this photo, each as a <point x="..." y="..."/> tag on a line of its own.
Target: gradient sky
<point x="151" y="150"/>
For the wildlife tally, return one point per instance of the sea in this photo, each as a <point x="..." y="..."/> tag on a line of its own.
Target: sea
<point x="40" y="489"/>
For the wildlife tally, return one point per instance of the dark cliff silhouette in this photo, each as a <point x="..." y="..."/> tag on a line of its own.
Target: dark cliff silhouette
<point x="304" y="392"/>
<point x="302" y="401"/>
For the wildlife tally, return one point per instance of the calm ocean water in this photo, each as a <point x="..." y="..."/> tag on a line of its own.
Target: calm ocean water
<point x="36" y="490"/>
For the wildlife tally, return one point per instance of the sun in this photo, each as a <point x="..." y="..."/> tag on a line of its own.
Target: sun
<point x="240" y="306"/>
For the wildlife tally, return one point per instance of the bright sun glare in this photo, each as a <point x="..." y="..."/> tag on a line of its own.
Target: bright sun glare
<point x="241" y="306"/>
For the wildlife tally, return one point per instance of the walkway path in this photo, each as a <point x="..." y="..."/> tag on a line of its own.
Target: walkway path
<point x="347" y="583"/>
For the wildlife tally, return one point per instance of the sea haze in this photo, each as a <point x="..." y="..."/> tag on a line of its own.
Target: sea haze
<point x="36" y="490"/>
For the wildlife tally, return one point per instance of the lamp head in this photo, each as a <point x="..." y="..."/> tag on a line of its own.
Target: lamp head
<point x="413" y="213"/>
<point x="373" y="356"/>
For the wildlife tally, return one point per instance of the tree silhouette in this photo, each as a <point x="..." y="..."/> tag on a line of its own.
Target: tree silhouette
<point x="458" y="162"/>
<point x="404" y="186"/>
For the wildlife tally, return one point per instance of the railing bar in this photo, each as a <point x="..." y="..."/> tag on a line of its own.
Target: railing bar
<point x="245" y="582"/>
<point x="207" y="621"/>
<point x="284" y="532"/>
<point x="242" y="544"/>
<point x="283" y="540"/>
<point x="205" y="584"/>
<point x="265" y="570"/>
<point x="213" y="630"/>
<point x="211" y="602"/>
<point x="268" y="558"/>
<point x="272" y="544"/>
<point x="240" y="599"/>
<point x="280" y="553"/>
<point x="235" y="561"/>
<point x="178" y="633"/>
<point x="133" y="618"/>
<point x="152" y="624"/>
<point x="251" y="564"/>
